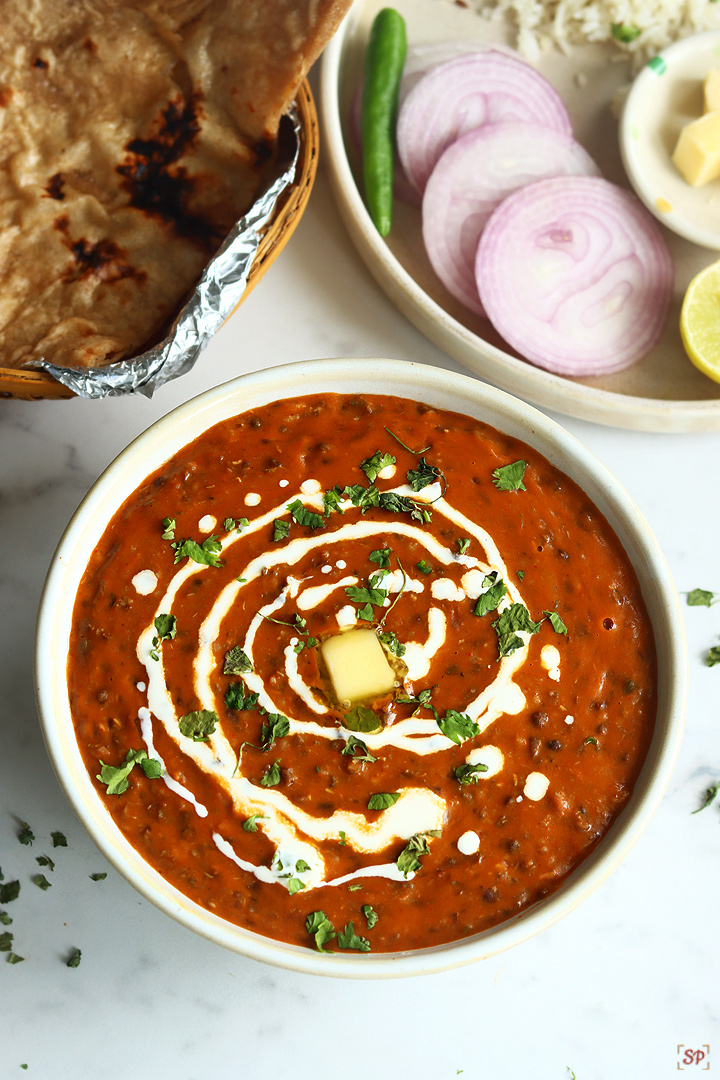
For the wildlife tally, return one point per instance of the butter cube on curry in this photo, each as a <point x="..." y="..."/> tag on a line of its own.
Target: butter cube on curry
<point x="357" y="666"/>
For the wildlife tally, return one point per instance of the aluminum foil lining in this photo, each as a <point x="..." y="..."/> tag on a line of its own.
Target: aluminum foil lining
<point x="217" y="293"/>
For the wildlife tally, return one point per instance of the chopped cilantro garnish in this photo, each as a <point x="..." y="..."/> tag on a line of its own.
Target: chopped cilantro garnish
<point x="73" y="959"/>
<point x="169" y="526"/>
<point x="381" y="556"/>
<point x="98" y="877"/>
<point x="510" y="477"/>
<point x="354" y="888"/>
<point x="521" y="574"/>
<point x="391" y="643"/>
<point x="408" y="861"/>
<point x="250" y="824"/>
<point x="115" y="776"/>
<point x="373" y="465"/>
<point x="275" y="726"/>
<point x="357" y="749"/>
<point x="305" y="517"/>
<point x="489" y="600"/>
<point x="319" y="926"/>
<point x="238" y="697"/>
<point x="422" y="701"/>
<point x="556" y="622"/>
<point x="425" y="475"/>
<point x="463" y="544"/>
<point x="42" y="882"/>
<point x="166" y="626"/>
<point x="331" y="500"/>
<point x="423" y="567"/>
<point x="58" y="839"/>
<point x="6" y="941"/>
<point x="366" y="613"/>
<point x="25" y="835"/>
<point x="458" y="726"/>
<point x="362" y="497"/>
<point x="294" y="885"/>
<point x="348" y="939"/>
<point x="401" y="504"/>
<point x="371" y="916"/>
<point x="363" y="595"/>
<point x="513" y="619"/>
<point x="207" y="553"/>
<point x="470" y="774"/>
<point x="595" y="743"/>
<point x="272" y="775"/>
<point x="713" y="656"/>
<point x="45" y="860"/>
<point x="5" y="919"/>
<point x="405" y="446"/>
<point x="382" y="800"/>
<point x="362" y="719"/>
<point x="13" y="958"/>
<point x="198" y="725"/>
<point x="236" y="662"/>
<point x="281" y="529"/>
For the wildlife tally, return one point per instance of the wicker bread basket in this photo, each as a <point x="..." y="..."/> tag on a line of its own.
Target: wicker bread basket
<point x="35" y="385"/>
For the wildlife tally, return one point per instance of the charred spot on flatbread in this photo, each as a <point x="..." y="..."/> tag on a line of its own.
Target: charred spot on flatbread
<point x="153" y="124"/>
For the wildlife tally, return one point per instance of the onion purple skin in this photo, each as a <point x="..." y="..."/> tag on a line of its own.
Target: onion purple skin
<point x="576" y="276"/>
<point x="465" y="93"/>
<point x="472" y="178"/>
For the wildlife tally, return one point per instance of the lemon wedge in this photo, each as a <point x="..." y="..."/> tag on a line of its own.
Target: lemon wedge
<point x="700" y="321"/>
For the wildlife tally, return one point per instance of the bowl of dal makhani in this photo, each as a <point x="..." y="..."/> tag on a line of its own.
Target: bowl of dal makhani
<point x="361" y="668"/>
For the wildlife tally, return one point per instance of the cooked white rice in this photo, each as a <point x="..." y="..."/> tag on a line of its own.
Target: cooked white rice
<point x="563" y="23"/>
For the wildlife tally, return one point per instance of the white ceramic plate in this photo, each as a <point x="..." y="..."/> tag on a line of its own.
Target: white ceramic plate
<point x="419" y="383"/>
<point x="664" y="391"/>
<point x="665" y="96"/>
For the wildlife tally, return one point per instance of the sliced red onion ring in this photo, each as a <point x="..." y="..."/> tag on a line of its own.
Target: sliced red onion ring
<point x="472" y="177"/>
<point x="462" y="94"/>
<point x="575" y="274"/>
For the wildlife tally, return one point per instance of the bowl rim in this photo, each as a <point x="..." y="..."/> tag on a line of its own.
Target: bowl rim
<point x="417" y="382"/>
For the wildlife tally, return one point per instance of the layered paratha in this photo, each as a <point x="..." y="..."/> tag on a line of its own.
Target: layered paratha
<point x="134" y="135"/>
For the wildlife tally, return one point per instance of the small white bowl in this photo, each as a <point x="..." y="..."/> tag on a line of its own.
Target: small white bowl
<point x="416" y="382"/>
<point x="667" y="95"/>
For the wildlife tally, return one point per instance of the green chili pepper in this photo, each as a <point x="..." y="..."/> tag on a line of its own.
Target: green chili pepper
<point x="384" y="61"/>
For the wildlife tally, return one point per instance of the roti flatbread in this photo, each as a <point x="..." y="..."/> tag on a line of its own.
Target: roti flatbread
<point x="133" y="136"/>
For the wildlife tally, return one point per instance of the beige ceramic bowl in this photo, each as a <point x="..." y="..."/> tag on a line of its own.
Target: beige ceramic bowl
<point x="415" y="382"/>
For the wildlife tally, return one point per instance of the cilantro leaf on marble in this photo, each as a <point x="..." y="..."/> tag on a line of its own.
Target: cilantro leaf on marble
<point x="710" y="796"/>
<point x="73" y="959"/>
<point x="701" y="598"/>
<point x="25" y="835"/>
<point x="9" y="891"/>
<point x="58" y="839"/>
<point x="98" y="877"/>
<point x="42" y="882"/>
<point x="45" y="860"/>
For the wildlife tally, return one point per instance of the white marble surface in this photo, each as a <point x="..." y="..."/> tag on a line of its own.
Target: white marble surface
<point x="608" y="993"/>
